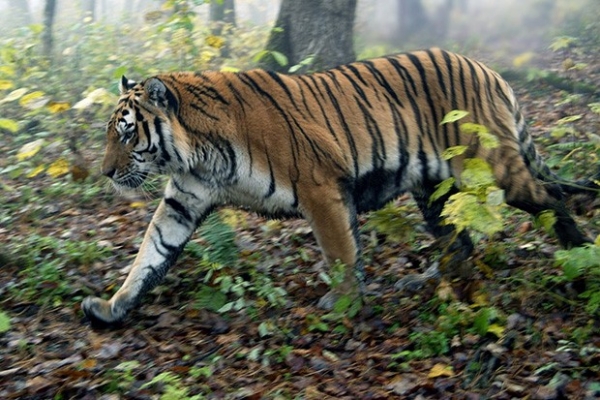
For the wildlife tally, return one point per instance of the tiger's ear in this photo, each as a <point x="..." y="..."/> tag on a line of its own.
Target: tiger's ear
<point x="161" y="96"/>
<point x="125" y="84"/>
<point x="156" y="90"/>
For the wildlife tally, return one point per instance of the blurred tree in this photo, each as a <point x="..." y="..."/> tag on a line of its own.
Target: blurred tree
<point x="319" y="28"/>
<point x="413" y="20"/>
<point x="221" y="12"/>
<point x="89" y="7"/>
<point x="222" y="19"/>
<point x="47" y="40"/>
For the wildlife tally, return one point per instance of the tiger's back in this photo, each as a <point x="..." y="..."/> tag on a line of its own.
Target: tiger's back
<point x="323" y="146"/>
<point x="374" y="124"/>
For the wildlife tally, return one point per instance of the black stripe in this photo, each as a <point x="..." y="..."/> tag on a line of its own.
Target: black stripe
<point x="286" y="89"/>
<point x="238" y="96"/>
<point x="166" y="157"/>
<point x="180" y="209"/>
<point x="209" y="90"/>
<point x="356" y="88"/>
<point x="419" y="66"/>
<point x="404" y="157"/>
<point x="438" y="72"/>
<point x="204" y="112"/>
<point x="378" y="144"/>
<point x="382" y="80"/>
<point x="346" y="128"/>
<point x="405" y="76"/>
<point x="325" y="116"/>
<point x="271" y="190"/>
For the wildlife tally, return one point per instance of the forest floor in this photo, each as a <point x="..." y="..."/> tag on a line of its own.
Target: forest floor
<point x="514" y="328"/>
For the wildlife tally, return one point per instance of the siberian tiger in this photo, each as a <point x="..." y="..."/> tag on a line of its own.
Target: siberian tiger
<point x="322" y="146"/>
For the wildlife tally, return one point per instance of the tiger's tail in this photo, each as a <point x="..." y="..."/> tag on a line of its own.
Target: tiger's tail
<point x="540" y="170"/>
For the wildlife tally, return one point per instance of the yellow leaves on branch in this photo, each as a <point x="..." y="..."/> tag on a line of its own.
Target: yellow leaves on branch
<point x="214" y="41"/>
<point x="454" y="116"/>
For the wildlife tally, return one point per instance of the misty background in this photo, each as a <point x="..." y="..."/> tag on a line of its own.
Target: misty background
<point x="502" y="27"/>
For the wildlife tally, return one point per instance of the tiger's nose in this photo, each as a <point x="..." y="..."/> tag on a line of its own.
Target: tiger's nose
<point x="109" y="172"/>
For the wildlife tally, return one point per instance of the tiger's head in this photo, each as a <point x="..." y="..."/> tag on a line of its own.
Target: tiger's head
<point x="140" y="133"/>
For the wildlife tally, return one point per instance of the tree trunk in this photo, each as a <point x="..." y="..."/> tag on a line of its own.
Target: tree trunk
<point x="412" y="19"/>
<point x="319" y="28"/>
<point x="222" y="19"/>
<point x="47" y="39"/>
<point x="89" y="8"/>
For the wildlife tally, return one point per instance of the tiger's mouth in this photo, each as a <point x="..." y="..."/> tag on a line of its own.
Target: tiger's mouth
<point x="131" y="180"/>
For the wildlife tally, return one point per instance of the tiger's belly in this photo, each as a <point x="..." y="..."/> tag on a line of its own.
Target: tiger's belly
<point x="378" y="186"/>
<point x="259" y="191"/>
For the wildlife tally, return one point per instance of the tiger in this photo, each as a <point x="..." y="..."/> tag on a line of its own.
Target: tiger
<point x="324" y="146"/>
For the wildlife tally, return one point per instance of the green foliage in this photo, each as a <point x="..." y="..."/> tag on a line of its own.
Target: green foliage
<point x="44" y="261"/>
<point x="120" y="378"/>
<point x="577" y="149"/>
<point x="4" y="322"/>
<point x="392" y="221"/>
<point x="172" y="387"/>
<point x="302" y="65"/>
<point x="224" y="291"/>
<point x="425" y="345"/>
<point x="476" y="207"/>
<point x="220" y="239"/>
<point x="583" y="263"/>
<point x="563" y="43"/>
<point x="279" y="57"/>
<point x="454" y="116"/>
<point x="479" y="202"/>
<point x="346" y="306"/>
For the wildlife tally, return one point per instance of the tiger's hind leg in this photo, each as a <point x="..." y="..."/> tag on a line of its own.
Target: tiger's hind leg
<point x="457" y="246"/>
<point x="535" y="198"/>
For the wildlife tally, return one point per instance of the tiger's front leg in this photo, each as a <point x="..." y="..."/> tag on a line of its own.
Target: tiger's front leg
<point x="331" y="214"/>
<point x="171" y="227"/>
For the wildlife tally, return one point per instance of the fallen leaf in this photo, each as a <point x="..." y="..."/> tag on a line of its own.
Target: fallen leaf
<point x="58" y="168"/>
<point x="496" y="329"/>
<point x="30" y="149"/>
<point x="440" y="370"/>
<point x="403" y="384"/>
<point x="109" y="350"/>
<point x="56" y="107"/>
<point x="37" y="384"/>
<point x="14" y="95"/>
<point x="36" y="171"/>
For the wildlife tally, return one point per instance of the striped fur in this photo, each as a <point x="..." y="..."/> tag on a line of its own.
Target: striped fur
<point x="323" y="146"/>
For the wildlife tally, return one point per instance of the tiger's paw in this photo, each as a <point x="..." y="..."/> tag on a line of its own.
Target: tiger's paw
<point x="100" y="313"/>
<point x="330" y="300"/>
<point x="414" y="283"/>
